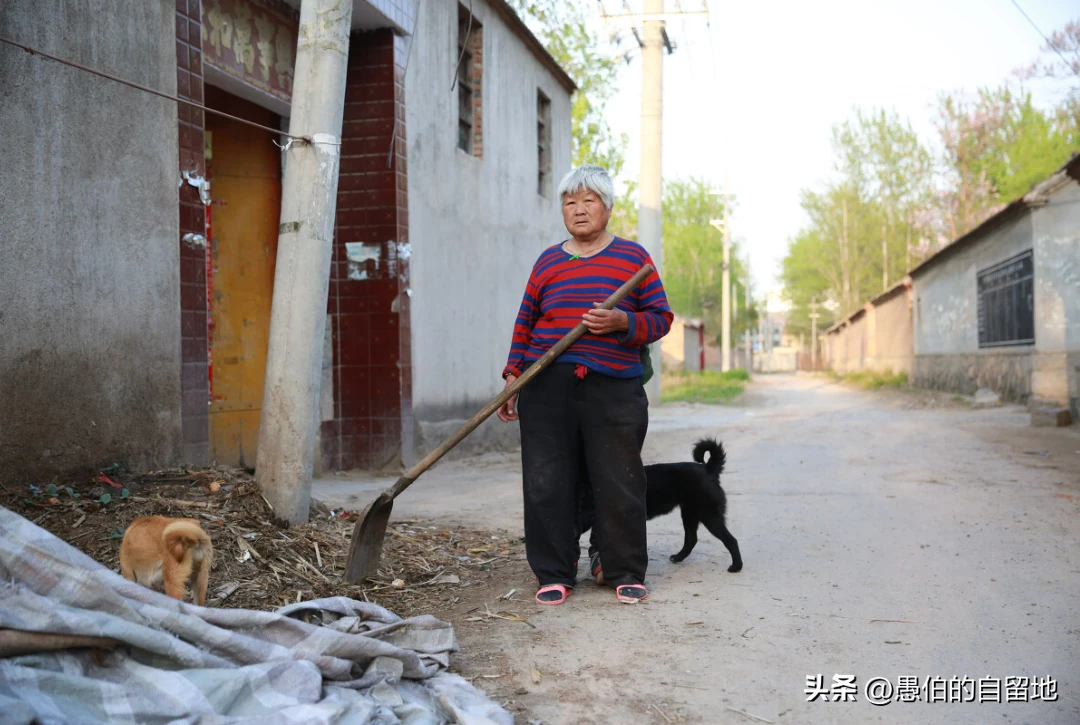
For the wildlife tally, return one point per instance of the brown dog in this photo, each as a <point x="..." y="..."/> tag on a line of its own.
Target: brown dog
<point x="157" y="548"/>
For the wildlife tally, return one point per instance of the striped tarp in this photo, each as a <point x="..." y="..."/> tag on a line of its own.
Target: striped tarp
<point x="332" y="660"/>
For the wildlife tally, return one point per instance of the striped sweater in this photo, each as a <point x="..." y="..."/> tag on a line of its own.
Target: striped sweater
<point x="562" y="288"/>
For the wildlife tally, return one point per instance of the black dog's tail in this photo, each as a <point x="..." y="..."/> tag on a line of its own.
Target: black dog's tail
<point x="715" y="465"/>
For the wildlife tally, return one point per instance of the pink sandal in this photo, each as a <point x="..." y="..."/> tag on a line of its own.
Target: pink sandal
<point x="631" y="593"/>
<point x="563" y="592"/>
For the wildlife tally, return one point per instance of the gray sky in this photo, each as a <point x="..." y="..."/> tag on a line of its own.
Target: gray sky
<point x="755" y="93"/>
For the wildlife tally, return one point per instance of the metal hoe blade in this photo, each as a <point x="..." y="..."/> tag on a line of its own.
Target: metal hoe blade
<point x="367" y="539"/>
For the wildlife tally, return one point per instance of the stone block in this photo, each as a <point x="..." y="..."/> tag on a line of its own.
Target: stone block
<point x="986" y="398"/>
<point x="1051" y="416"/>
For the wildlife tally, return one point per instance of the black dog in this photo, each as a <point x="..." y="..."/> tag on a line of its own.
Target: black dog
<point x="694" y="488"/>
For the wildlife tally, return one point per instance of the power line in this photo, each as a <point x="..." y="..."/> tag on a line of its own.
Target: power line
<point x="1049" y="42"/>
<point x="144" y="89"/>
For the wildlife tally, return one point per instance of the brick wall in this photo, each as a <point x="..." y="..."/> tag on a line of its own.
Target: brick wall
<point x="193" y="302"/>
<point x="368" y="303"/>
<point x="476" y="47"/>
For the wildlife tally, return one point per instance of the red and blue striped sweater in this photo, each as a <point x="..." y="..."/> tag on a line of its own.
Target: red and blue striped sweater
<point x="562" y="288"/>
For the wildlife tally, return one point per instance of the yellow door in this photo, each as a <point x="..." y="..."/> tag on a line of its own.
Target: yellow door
<point x="245" y="183"/>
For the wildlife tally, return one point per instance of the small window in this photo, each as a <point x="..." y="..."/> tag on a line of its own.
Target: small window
<point x="470" y="44"/>
<point x="543" y="143"/>
<point x="1007" y="302"/>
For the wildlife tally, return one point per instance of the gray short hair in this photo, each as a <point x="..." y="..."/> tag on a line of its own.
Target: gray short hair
<point x="593" y="178"/>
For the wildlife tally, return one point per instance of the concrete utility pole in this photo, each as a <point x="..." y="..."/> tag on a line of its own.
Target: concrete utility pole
<point x="650" y="185"/>
<point x="884" y="264"/>
<point x="813" y="333"/>
<point x="761" y="341"/>
<point x="734" y="313"/>
<point x="767" y="331"/>
<point x="290" y="406"/>
<point x="724" y="227"/>
<point x="734" y="302"/>
<point x="652" y="41"/>
<point x="746" y="332"/>
<point x="725" y="295"/>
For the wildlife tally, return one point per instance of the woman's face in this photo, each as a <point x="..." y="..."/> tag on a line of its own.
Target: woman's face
<point x="584" y="214"/>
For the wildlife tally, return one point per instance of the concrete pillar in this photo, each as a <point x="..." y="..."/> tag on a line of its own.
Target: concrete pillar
<point x="650" y="190"/>
<point x="725" y="293"/>
<point x="749" y="349"/>
<point x="290" y="412"/>
<point x="871" y="337"/>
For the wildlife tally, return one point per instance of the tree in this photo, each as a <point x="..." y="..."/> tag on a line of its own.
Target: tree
<point x="1038" y="144"/>
<point x="883" y="158"/>
<point x="997" y="145"/>
<point x="562" y="26"/>
<point x="864" y="223"/>
<point x="1061" y="61"/>
<point x="890" y="204"/>
<point x="804" y="280"/>
<point x="693" y="252"/>
<point x="847" y="222"/>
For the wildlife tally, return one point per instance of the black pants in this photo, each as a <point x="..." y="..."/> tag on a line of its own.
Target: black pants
<point x="575" y="433"/>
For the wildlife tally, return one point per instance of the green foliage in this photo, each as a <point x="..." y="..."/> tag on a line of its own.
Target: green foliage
<point x="1028" y="146"/>
<point x="624" y="217"/>
<point x="692" y="265"/>
<point x="874" y="380"/>
<point x="997" y="144"/>
<point x="562" y="26"/>
<point x="891" y="203"/>
<point x="864" y="223"/>
<point x="805" y="278"/>
<point x="105" y="498"/>
<point x="881" y="155"/>
<point x="704" y="387"/>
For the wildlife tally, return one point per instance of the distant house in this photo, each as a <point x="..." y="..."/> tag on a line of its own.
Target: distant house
<point x="998" y="308"/>
<point x="140" y="236"/>
<point x="685" y="347"/>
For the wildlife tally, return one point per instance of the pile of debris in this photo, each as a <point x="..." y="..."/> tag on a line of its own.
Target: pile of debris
<point x="257" y="563"/>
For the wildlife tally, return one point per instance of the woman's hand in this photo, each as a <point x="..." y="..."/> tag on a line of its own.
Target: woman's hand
<point x="508" y="411"/>
<point x="602" y="322"/>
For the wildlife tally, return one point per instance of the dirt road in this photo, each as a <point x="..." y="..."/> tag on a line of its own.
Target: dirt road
<point x="884" y="537"/>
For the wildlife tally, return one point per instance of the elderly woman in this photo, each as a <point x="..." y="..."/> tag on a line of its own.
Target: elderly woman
<point x="584" y="418"/>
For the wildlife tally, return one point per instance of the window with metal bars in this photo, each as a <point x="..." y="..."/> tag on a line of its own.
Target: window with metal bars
<point x="470" y="42"/>
<point x="1007" y="302"/>
<point x="543" y="143"/>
